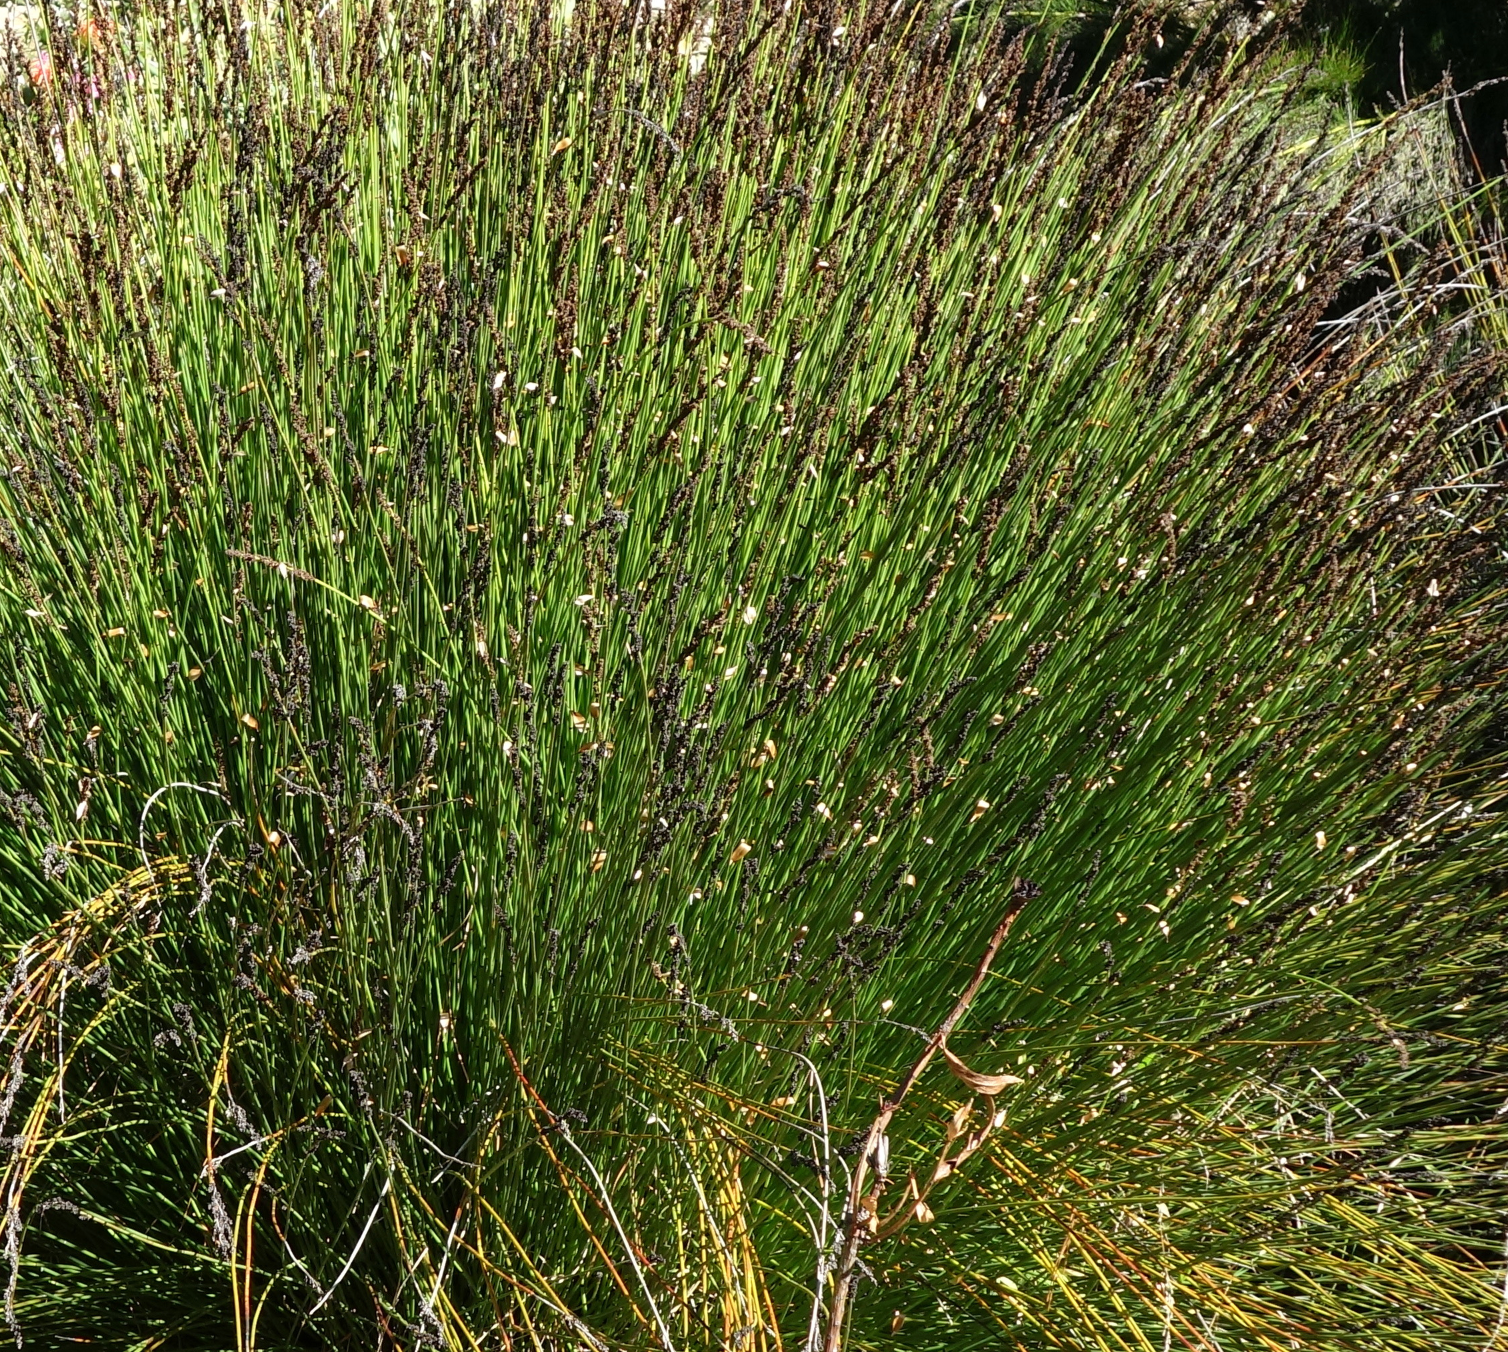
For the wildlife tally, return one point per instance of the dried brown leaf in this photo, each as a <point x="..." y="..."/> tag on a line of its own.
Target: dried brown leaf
<point x="988" y="1085"/>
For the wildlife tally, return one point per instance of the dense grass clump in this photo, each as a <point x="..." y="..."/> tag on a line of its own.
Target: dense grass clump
<point x="563" y="573"/>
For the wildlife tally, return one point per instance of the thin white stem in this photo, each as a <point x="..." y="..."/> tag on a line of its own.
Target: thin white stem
<point x="824" y="1256"/>
<point x="701" y="1197"/>
<point x="62" y="994"/>
<point x="1497" y="1329"/>
<point x="450" y="1240"/>
<point x="628" y="1248"/>
<point x="361" y="1239"/>
<point x="141" y="829"/>
<point x="209" y="854"/>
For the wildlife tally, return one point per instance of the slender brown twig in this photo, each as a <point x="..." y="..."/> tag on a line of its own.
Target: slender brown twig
<point x="862" y="1206"/>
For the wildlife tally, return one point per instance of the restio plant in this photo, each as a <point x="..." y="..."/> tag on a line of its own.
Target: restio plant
<point x="739" y="677"/>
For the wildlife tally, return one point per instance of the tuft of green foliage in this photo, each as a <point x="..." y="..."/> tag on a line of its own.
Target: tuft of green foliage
<point x="561" y="569"/>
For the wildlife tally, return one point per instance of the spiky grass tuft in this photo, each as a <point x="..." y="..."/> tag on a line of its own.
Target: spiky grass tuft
<point x="562" y="572"/>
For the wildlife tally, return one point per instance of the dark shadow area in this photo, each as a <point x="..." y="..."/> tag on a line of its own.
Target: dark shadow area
<point x="1408" y="46"/>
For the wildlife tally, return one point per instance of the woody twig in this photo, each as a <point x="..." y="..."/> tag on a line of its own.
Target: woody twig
<point x="861" y="1219"/>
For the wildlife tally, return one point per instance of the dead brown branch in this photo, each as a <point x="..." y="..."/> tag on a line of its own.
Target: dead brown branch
<point x="861" y="1218"/>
